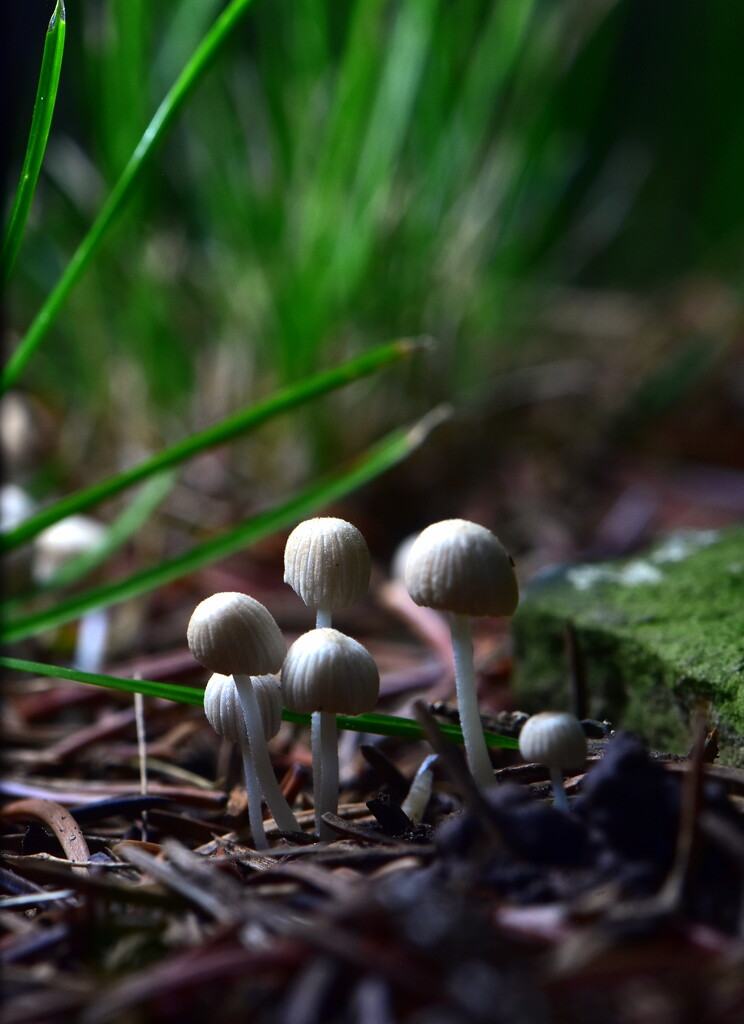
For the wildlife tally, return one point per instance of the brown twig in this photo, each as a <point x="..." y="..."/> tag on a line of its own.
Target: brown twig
<point x="59" y="820"/>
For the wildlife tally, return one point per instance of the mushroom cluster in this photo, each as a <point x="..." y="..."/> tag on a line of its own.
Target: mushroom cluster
<point x="325" y="672"/>
<point x="454" y="566"/>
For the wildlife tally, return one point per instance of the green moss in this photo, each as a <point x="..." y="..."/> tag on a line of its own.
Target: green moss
<point x="658" y="634"/>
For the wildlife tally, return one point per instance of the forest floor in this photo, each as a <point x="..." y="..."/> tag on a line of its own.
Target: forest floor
<point x="130" y="899"/>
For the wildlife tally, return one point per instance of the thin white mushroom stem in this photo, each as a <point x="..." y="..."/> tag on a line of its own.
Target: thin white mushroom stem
<point x="253" y="792"/>
<point x="476" y="750"/>
<point x="139" y="721"/>
<point x="90" y="643"/>
<point x="275" y="800"/>
<point x="326" y="793"/>
<point x="559" y="793"/>
<point x="316" y="745"/>
<point x="323" y="617"/>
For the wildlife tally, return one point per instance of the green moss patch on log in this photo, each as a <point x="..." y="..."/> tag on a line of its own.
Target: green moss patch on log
<point x="658" y="634"/>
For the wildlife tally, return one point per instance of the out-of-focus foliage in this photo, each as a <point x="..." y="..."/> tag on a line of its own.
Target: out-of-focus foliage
<point x="347" y="173"/>
<point x="353" y="171"/>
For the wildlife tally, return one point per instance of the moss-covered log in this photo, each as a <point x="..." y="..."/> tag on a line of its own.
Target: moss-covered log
<point x="658" y="635"/>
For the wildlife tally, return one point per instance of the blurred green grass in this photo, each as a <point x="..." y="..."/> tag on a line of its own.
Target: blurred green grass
<point x="347" y="173"/>
<point x="350" y="173"/>
<point x="353" y="172"/>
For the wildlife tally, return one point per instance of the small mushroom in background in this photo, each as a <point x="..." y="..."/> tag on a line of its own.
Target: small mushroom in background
<point x="16" y="505"/>
<point x="54" y="548"/>
<point x="557" y="740"/>
<point x="327" y="673"/>
<point x="224" y="711"/>
<point x="328" y="564"/>
<point x="28" y="432"/>
<point x="462" y="568"/>
<point x="417" y="799"/>
<point x="235" y="635"/>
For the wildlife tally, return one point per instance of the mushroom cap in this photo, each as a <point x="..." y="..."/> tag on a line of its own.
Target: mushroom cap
<point x="75" y="535"/>
<point x="234" y="634"/>
<point x="225" y="714"/>
<point x="553" y="738"/>
<point x="327" y="562"/>
<point x="459" y="566"/>
<point x="328" y="671"/>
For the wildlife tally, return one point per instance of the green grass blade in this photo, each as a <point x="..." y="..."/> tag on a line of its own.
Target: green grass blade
<point x="41" y="122"/>
<point x="376" y="724"/>
<point x="226" y="430"/>
<point x="391" y="450"/>
<point x="155" y="132"/>
<point x="192" y="695"/>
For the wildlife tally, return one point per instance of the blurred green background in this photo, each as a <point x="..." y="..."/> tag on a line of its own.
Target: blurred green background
<point x="516" y="179"/>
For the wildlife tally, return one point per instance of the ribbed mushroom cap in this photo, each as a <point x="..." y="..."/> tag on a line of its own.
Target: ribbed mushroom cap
<point x="461" y="567"/>
<point x="233" y="634"/>
<point x="328" y="671"/>
<point x="223" y="709"/>
<point x="553" y="738"/>
<point x="327" y="562"/>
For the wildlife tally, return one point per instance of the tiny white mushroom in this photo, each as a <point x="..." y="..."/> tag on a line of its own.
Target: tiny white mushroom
<point x="235" y="635"/>
<point x="557" y="740"/>
<point x="328" y="673"/>
<point x="225" y="713"/>
<point x="54" y="548"/>
<point x="415" y="804"/>
<point x="462" y="568"/>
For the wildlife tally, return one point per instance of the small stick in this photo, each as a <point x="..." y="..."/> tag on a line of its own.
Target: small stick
<point x="576" y="673"/>
<point x="139" y="719"/>
<point x="675" y="890"/>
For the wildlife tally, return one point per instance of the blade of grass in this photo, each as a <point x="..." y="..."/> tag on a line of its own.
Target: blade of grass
<point x="391" y="450"/>
<point x="326" y="277"/>
<point x="155" y="132"/>
<point x="192" y="695"/>
<point x="41" y="121"/>
<point x="241" y="422"/>
<point x="376" y="724"/>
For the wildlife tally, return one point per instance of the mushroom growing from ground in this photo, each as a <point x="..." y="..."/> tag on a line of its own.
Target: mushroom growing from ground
<point x="462" y="568"/>
<point x="224" y="710"/>
<point x="328" y="564"/>
<point x="235" y="635"/>
<point x="328" y="673"/>
<point x="557" y="740"/>
<point x="54" y="548"/>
